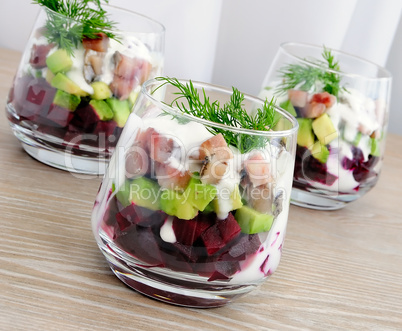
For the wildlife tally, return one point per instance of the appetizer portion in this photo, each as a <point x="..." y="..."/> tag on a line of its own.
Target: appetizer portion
<point x="205" y="191"/>
<point x="341" y="129"/>
<point x="80" y="77"/>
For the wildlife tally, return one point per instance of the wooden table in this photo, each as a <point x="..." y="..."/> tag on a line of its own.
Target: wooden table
<point x="339" y="269"/>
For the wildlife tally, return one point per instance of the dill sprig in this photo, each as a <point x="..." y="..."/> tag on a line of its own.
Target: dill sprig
<point x="69" y="21"/>
<point x="232" y="114"/>
<point x="305" y="77"/>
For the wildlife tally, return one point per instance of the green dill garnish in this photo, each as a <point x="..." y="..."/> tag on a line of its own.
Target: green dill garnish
<point x="232" y="114"/>
<point x="305" y="77"/>
<point x="69" y="21"/>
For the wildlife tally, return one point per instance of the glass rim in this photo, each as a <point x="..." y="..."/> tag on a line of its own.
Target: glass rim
<point x="386" y="75"/>
<point x="117" y="8"/>
<point x="221" y="89"/>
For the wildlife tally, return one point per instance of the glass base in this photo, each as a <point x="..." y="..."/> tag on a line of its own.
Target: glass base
<point x="173" y="287"/>
<point x="60" y="158"/>
<point x="319" y="201"/>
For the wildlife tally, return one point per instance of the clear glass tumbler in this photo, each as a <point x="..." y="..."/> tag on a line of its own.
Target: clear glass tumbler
<point x="73" y="93"/>
<point x="341" y="103"/>
<point x="194" y="212"/>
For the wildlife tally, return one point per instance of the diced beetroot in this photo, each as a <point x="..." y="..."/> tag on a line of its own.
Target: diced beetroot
<point x="38" y="55"/>
<point x="49" y="128"/>
<point x="247" y="244"/>
<point x="141" y="243"/>
<point x="212" y="239"/>
<point x="143" y="216"/>
<point x="123" y="222"/>
<point x="32" y="97"/>
<point x="191" y="253"/>
<point x="229" y="228"/>
<point x="173" y="258"/>
<point x="59" y="115"/>
<point x="86" y="117"/>
<point x="99" y="44"/>
<point x="309" y="168"/>
<point x="188" y="231"/>
<point x="224" y="269"/>
<point x="106" y="127"/>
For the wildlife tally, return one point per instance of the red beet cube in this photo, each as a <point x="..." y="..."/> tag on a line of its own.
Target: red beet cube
<point x="59" y="115"/>
<point x="143" y="216"/>
<point x="224" y="270"/>
<point x="141" y="243"/>
<point x="32" y="97"/>
<point x="86" y="117"/>
<point x="188" y="231"/>
<point x="122" y="222"/>
<point x="245" y="245"/>
<point x="229" y="228"/>
<point x="212" y="239"/>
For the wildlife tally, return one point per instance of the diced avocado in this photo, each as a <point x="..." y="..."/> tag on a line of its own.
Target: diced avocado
<point x="319" y="152"/>
<point x="305" y="135"/>
<point x="103" y="110"/>
<point x="59" y="61"/>
<point x="234" y="199"/>
<point x="121" y="110"/>
<point x="141" y="191"/>
<point x="375" y="147"/>
<point x="175" y="203"/>
<point x="101" y="91"/>
<point x="324" y="129"/>
<point x="252" y="221"/>
<point x="49" y="76"/>
<point x="66" y="100"/>
<point x="62" y="82"/>
<point x="198" y="194"/>
<point x="287" y="105"/>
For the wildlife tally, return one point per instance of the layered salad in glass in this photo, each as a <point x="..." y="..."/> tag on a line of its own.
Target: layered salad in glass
<point x="198" y="188"/>
<point x="80" y="76"/>
<point x="342" y="122"/>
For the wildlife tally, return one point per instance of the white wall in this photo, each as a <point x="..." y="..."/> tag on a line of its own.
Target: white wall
<point x="231" y="42"/>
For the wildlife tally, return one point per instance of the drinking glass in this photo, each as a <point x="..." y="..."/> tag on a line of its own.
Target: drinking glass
<point x="182" y="215"/>
<point x="341" y="103"/>
<point x="68" y="106"/>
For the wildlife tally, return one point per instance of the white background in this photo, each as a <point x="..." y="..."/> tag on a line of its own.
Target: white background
<point x="232" y="42"/>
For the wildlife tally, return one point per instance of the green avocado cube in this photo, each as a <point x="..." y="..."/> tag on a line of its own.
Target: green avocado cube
<point x="198" y="194"/>
<point x="59" y="61"/>
<point x="121" y="110"/>
<point x="305" y="135"/>
<point x="320" y="152"/>
<point x="66" y="100"/>
<point x="101" y="91"/>
<point x="287" y="105"/>
<point x="141" y="191"/>
<point x="103" y="110"/>
<point x="375" y="147"/>
<point x="252" y="221"/>
<point x="62" y="82"/>
<point x="324" y="129"/>
<point x="175" y="203"/>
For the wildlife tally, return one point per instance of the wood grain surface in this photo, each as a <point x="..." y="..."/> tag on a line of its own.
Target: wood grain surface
<point x="340" y="270"/>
